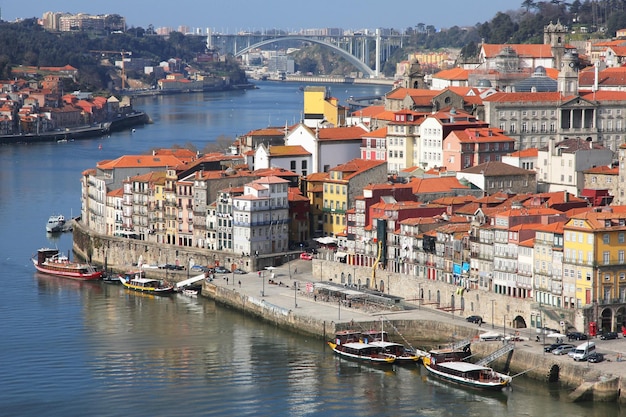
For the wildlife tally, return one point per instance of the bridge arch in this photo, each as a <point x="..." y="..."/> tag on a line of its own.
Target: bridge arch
<point x="351" y="58"/>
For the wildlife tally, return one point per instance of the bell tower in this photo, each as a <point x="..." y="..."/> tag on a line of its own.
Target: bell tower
<point x="554" y="35"/>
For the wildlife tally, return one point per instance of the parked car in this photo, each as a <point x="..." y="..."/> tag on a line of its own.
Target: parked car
<point x="551" y="347"/>
<point x="577" y="336"/>
<point x="595" y="357"/>
<point x="474" y="319"/>
<point x="199" y="268"/>
<point x="222" y="270"/>
<point x="563" y="349"/>
<point x="240" y="271"/>
<point x="609" y="336"/>
<point x="306" y="256"/>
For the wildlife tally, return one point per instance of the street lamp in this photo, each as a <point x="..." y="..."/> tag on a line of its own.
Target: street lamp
<point x="295" y="293"/>
<point x="492" y="314"/>
<point x="339" y="309"/>
<point x="504" y="326"/>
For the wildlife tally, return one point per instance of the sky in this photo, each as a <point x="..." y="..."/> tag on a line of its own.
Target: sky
<point x="252" y="15"/>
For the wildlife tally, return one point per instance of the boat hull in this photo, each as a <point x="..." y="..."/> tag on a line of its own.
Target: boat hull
<point x="496" y="384"/>
<point x="71" y="274"/>
<point x="167" y="290"/>
<point x="361" y="356"/>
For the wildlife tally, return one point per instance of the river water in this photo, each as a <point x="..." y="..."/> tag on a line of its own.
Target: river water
<point x="92" y="349"/>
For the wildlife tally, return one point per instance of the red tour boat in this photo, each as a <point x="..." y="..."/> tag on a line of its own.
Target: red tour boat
<point x="49" y="261"/>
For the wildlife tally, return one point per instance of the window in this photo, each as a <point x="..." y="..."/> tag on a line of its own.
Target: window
<point x="606" y="238"/>
<point x="304" y="164"/>
<point x="606" y="257"/>
<point x="293" y="165"/>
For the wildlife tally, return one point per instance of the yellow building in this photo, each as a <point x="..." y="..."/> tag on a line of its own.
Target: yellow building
<point x="344" y="184"/>
<point x="320" y="108"/>
<point x="314" y="192"/>
<point x="594" y="258"/>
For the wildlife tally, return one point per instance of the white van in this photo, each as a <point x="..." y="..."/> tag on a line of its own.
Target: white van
<point x="583" y="350"/>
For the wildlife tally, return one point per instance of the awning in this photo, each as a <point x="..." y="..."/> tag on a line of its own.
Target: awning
<point x="326" y="240"/>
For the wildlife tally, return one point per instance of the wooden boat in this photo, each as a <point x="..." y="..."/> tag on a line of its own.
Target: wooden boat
<point x="147" y="285"/>
<point x="348" y="344"/>
<point x="467" y="374"/>
<point x="49" y="261"/>
<point x="380" y="338"/>
<point x="128" y="275"/>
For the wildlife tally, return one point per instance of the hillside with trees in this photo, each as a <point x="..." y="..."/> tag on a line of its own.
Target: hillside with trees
<point x="27" y="43"/>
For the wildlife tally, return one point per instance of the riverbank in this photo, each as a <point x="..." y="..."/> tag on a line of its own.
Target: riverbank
<point x="291" y="305"/>
<point x="83" y="132"/>
<point x="294" y="307"/>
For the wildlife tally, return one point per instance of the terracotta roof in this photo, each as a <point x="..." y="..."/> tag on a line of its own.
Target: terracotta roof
<point x="452" y="74"/>
<point x="453" y="200"/>
<point x="526" y="153"/>
<point x="356" y="166"/>
<point x="523" y="97"/>
<point x="555" y="227"/>
<point x="612" y="76"/>
<point x="523" y="50"/>
<point x="435" y="185"/>
<point x="318" y="176"/>
<point x="370" y="111"/>
<point x="606" y="170"/>
<point x="144" y="161"/>
<point x="480" y="135"/>
<point x="529" y="243"/>
<point x="378" y="133"/>
<point x="340" y="133"/>
<point x="497" y="169"/>
<point x="288" y="150"/>
<point x="270" y="131"/>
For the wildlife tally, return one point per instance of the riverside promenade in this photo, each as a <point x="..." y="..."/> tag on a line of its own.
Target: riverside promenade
<point x="296" y="309"/>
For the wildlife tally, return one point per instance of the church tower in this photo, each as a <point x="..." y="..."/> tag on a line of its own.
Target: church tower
<point x="413" y="77"/>
<point x="554" y="35"/>
<point x="567" y="81"/>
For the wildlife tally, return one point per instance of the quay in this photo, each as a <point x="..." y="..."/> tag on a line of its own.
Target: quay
<point x="287" y="296"/>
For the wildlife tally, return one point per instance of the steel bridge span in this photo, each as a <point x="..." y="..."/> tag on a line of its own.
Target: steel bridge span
<point x="356" y="48"/>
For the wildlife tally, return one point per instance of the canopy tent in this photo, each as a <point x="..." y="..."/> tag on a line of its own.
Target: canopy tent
<point x="326" y="240"/>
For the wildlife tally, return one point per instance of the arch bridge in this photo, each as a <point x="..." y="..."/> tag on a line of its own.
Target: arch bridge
<point x="354" y="48"/>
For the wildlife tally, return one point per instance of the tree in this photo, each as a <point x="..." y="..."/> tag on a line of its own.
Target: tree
<point x="528" y="4"/>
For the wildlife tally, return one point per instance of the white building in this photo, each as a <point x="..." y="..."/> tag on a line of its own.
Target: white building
<point x="292" y="158"/>
<point x="328" y="147"/>
<point x="561" y="165"/>
<point x="261" y="217"/>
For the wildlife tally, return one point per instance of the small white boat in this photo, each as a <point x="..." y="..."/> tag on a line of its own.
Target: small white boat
<point x="190" y="293"/>
<point x="56" y="223"/>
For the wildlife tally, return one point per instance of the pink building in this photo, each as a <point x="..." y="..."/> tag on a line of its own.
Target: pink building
<point x="470" y="147"/>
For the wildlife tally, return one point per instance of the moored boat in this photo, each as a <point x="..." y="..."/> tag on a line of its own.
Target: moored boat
<point x="467" y="374"/>
<point x="56" y="223"/>
<point x="348" y="343"/>
<point x="50" y="261"/>
<point x="402" y="353"/>
<point x="147" y="285"/>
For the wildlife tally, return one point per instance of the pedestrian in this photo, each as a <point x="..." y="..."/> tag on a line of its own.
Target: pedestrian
<point x="226" y="280"/>
<point x="314" y="297"/>
<point x="480" y="323"/>
<point x="239" y="284"/>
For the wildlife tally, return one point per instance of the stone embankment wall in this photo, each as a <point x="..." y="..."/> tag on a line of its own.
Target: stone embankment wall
<point x="120" y="253"/>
